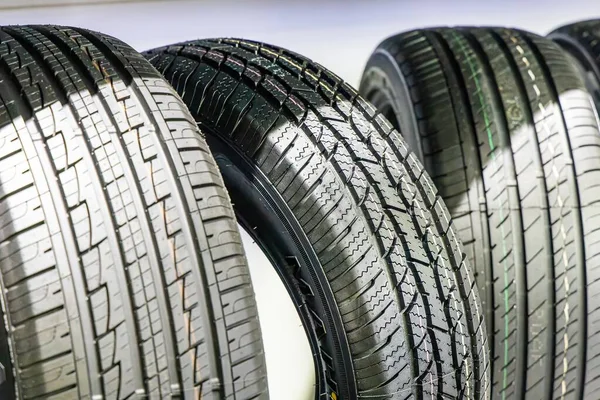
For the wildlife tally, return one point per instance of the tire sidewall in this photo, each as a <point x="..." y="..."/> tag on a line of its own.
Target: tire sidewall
<point x="384" y="84"/>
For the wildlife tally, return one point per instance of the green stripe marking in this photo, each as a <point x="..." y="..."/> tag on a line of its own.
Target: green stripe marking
<point x="458" y="40"/>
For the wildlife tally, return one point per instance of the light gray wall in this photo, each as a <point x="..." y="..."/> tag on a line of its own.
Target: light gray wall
<point x="339" y="34"/>
<point x="14" y="4"/>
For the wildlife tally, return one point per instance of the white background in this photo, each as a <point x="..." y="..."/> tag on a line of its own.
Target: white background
<point x="338" y="34"/>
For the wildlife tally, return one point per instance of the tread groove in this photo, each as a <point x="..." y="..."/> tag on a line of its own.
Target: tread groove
<point x="199" y="273"/>
<point x="60" y="210"/>
<point x="518" y="249"/>
<point x="579" y="240"/>
<point x="141" y="213"/>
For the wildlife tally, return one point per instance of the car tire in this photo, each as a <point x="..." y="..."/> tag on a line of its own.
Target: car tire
<point x="121" y="266"/>
<point x="351" y="222"/>
<point x="509" y="135"/>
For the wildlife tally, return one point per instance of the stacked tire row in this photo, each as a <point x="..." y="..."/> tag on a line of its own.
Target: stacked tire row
<point x="122" y="270"/>
<point x="440" y="243"/>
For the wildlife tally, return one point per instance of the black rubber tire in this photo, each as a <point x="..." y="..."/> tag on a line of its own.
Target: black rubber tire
<point x="380" y="267"/>
<point x="581" y="42"/>
<point x="510" y="138"/>
<point x="122" y="269"/>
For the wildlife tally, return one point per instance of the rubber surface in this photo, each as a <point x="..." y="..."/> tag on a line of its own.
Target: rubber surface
<point x="510" y="137"/>
<point x="581" y="42"/>
<point x="410" y="318"/>
<point x="122" y="270"/>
